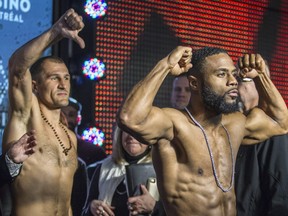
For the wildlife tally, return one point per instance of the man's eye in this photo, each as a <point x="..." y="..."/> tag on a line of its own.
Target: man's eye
<point x="221" y="75"/>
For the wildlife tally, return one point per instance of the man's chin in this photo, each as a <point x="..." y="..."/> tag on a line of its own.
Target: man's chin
<point x="229" y="107"/>
<point x="231" y="99"/>
<point x="63" y="102"/>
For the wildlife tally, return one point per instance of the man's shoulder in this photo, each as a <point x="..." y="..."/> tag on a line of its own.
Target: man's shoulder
<point x="234" y="117"/>
<point x="174" y="113"/>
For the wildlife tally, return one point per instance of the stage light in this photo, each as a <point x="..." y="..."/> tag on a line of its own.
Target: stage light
<point x="95" y="8"/>
<point x="94" y="69"/>
<point x="93" y="135"/>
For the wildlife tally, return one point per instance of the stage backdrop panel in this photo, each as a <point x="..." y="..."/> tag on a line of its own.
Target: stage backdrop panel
<point x="134" y="35"/>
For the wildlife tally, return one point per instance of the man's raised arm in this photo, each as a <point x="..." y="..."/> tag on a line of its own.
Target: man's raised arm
<point x="274" y="119"/>
<point x="137" y="113"/>
<point x="20" y="91"/>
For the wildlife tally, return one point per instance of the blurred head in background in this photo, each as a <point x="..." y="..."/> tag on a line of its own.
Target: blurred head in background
<point x="72" y="113"/>
<point x="181" y="93"/>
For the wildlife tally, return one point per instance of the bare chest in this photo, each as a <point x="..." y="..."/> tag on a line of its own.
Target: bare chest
<point x="56" y="148"/>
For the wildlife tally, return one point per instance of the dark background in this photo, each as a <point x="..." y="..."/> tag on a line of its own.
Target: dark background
<point x="134" y="35"/>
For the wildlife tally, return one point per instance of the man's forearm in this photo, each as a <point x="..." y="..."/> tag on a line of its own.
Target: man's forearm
<point x="271" y="101"/>
<point x="14" y="168"/>
<point x="139" y="101"/>
<point x="26" y="55"/>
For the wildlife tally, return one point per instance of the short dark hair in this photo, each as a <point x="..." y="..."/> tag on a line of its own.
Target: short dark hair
<point x="37" y="68"/>
<point x="198" y="58"/>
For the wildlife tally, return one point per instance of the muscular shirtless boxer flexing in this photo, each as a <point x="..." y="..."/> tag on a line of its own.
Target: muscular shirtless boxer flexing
<point x="194" y="149"/>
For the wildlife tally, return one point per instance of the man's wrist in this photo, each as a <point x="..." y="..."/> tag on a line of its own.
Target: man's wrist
<point x="247" y="79"/>
<point x="14" y="168"/>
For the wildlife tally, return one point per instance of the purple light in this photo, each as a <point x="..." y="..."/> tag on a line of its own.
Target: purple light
<point x="95" y="8"/>
<point x="94" y="69"/>
<point x="93" y="135"/>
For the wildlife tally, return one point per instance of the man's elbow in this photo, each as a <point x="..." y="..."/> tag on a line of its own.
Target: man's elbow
<point x="285" y="128"/>
<point x="284" y="123"/>
<point x="127" y="122"/>
<point x="123" y="119"/>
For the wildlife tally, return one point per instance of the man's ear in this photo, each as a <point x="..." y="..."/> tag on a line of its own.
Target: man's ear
<point x="193" y="81"/>
<point x="34" y="87"/>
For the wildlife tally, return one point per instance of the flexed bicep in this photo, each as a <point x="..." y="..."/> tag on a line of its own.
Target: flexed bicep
<point x="157" y="125"/>
<point x="259" y="127"/>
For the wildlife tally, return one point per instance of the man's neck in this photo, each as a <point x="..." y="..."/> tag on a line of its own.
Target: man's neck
<point x="205" y="116"/>
<point x="53" y="115"/>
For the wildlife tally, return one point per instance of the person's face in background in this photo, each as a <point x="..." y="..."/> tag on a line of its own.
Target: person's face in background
<point x="132" y="146"/>
<point x="180" y="93"/>
<point x="71" y="115"/>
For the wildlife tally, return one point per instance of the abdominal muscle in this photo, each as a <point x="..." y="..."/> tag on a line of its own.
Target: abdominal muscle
<point x="187" y="191"/>
<point x="192" y="199"/>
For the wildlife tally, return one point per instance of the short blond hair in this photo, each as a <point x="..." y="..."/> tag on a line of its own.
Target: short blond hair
<point x="118" y="150"/>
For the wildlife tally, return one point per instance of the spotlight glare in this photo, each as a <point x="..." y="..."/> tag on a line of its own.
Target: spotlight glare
<point x="95" y="8"/>
<point x="94" y="69"/>
<point x="93" y="135"/>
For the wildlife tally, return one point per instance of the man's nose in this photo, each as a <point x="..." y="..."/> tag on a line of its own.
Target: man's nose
<point x="232" y="80"/>
<point x="62" y="83"/>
